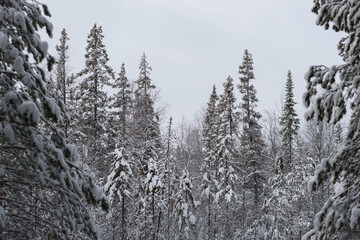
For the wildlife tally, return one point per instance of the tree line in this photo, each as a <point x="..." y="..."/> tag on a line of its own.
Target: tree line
<point x="78" y="162"/>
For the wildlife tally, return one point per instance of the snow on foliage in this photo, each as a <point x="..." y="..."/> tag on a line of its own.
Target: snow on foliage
<point x="40" y="178"/>
<point x="289" y="126"/>
<point x="329" y="91"/>
<point x="184" y="208"/>
<point x="30" y="112"/>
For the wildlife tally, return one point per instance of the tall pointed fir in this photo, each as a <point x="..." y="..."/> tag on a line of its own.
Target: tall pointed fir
<point x="64" y="83"/>
<point x="42" y="190"/>
<point x="119" y="125"/>
<point x="93" y="101"/>
<point x="61" y="65"/>
<point x="340" y="87"/>
<point x="279" y="217"/>
<point x="169" y="181"/>
<point x="251" y="140"/>
<point x="208" y="189"/>
<point x="120" y="180"/>
<point x="225" y="157"/>
<point x="289" y="127"/>
<point x="146" y="153"/>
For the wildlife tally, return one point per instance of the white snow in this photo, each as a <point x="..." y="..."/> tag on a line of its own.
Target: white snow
<point x="44" y="46"/>
<point x="62" y="179"/>
<point x="229" y="194"/>
<point x="73" y="152"/>
<point x="355" y="215"/>
<point x="339" y="187"/>
<point x="206" y="192"/>
<point x="38" y="140"/>
<point x="97" y="192"/>
<point x="54" y="108"/>
<point x="30" y="110"/>
<point x="9" y="133"/>
<point x="20" y="20"/>
<point x="11" y="95"/>
<point x="40" y="162"/>
<point x="14" y="53"/>
<point x="18" y="65"/>
<point x="192" y="219"/>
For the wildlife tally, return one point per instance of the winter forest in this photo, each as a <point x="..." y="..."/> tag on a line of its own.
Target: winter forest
<point x="89" y="154"/>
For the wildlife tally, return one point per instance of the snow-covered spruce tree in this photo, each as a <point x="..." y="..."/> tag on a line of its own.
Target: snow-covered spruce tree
<point x="340" y="87"/>
<point x="225" y="160"/>
<point x="42" y="189"/>
<point x="208" y="189"/>
<point x="119" y="190"/>
<point x="64" y="85"/>
<point x="93" y="101"/>
<point x="184" y="208"/>
<point x="153" y="199"/>
<point x="146" y="154"/>
<point x="252" y="144"/>
<point x="169" y="181"/>
<point x="61" y="66"/>
<point x="120" y="182"/>
<point x="289" y="127"/>
<point x="120" y="116"/>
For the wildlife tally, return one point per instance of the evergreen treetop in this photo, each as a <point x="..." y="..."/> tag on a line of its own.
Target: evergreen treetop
<point x="289" y="123"/>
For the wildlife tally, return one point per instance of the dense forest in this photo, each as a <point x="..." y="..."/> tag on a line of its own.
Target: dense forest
<point x="88" y="155"/>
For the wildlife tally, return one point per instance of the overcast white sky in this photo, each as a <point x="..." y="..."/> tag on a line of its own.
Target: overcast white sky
<point x="193" y="44"/>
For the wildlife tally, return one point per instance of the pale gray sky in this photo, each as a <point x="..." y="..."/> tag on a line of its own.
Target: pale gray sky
<point x="193" y="44"/>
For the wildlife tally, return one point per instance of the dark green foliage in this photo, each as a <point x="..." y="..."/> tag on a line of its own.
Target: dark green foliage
<point x="252" y="144"/>
<point x="289" y="126"/>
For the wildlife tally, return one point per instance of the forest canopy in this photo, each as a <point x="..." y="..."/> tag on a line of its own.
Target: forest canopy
<point x="86" y="155"/>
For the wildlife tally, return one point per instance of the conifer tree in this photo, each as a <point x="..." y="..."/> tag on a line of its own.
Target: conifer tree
<point x="94" y="100"/>
<point x="289" y="126"/>
<point x="184" y="208"/>
<point x="340" y="215"/>
<point x="225" y="147"/>
<point x="61" y="85"/>
<point x="225" y="151"/>
<point x="119" y="190"/>
<point x="120" y="116"/>
<point x="65" y="86"/>
<point x="43" y="192"/>
<point x="169" y="180"/>
<point x="251" y="140"/>
<point x="119" y="186"/>
<point x="209" y="139"/>
<point x="153" y="187"/>
<point x="146" y="153"/>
